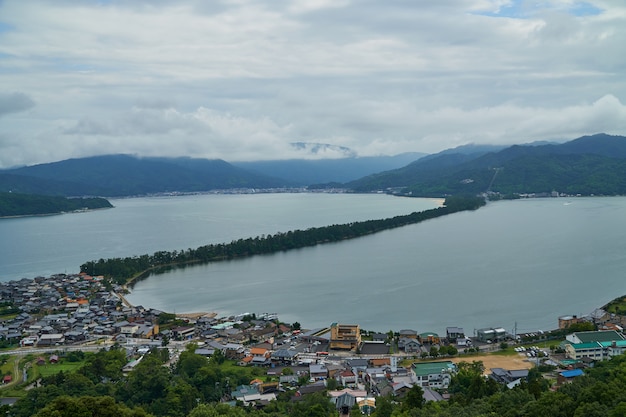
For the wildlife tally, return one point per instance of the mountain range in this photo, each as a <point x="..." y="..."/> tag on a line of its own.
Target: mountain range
<point x="125" y="175"/>
<point x="588" y="165"/>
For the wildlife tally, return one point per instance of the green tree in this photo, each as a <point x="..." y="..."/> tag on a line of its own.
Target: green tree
<point x="414" y="398"/>
<point x="384" y="407"/>
<point x="434" y="351"/>
<point x="66" y="406"/>
<point x="594" y="409"/>
<point x="355" y="411"/>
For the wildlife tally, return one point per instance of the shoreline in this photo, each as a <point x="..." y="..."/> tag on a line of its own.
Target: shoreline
<point x="60" y="213"/>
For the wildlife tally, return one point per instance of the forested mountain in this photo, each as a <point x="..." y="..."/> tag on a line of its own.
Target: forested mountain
<point x="14" y="204"/>
<point x="122" y="175"/>
<point x="314" y="171"/>
<point x="587" y="165"/>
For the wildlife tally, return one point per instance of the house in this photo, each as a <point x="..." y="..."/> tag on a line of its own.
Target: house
<point x="318" y="386"/>
<point x="347" y="378"/>
<point x="345" y="336"/>
<point x="207" y="353"/>
<point x="345" y="399"/>
<point x="126" y="369"/>
<point x="431" y="395"/>
<point x="567" y="321"/>
<point x="357" y="365"/>
<point x="409" y="345"/>
<point x="379" y="362"/>
<point x="429" y="337"/>
<point x="491" y="335"/>
<point x="318" y="371"/>
<point x="182" y="332"/>
<point x="407" y="334"/>
<point x="568" y="376"/>
<point x="383" y="388"/>
<point x="434" y="374"/>
<point x="51" y="339"/>
<point x="454" y="333"/>
<point x="510" y="378"/>
<point x="401" y="388"/>
<point x="242" y="391"/>
<point x="373" y="348"/>
<point x="379" y="337"/>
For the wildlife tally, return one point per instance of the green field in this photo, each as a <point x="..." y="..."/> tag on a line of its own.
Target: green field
<point x="53" y="369"/>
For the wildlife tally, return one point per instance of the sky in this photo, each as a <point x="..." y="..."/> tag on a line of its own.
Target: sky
<point x="243" y="80"/>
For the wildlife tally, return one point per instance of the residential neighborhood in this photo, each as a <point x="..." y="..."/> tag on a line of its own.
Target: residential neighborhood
<point x="53" y="315"/>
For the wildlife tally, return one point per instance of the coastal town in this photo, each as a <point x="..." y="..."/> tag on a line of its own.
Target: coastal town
<point x="51" y="316"/>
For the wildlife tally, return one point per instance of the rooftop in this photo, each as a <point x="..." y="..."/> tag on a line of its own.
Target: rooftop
<point x="428" y="368"/>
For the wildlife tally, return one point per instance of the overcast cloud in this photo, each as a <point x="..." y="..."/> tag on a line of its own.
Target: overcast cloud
<point x="242" y="79"/>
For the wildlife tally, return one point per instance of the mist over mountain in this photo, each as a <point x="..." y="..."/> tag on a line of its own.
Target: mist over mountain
<point x="315" y="171"/>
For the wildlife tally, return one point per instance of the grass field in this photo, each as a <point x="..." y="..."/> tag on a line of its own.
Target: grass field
<point x="8" y="367"/>
<point x="52" y="369"/>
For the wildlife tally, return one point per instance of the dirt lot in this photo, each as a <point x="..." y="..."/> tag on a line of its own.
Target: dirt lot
<point x="510" y="362"/>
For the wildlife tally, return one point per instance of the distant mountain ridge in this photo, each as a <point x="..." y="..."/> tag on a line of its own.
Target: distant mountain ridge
<point x="125" y="175"/>
<point x="588" y="165"/>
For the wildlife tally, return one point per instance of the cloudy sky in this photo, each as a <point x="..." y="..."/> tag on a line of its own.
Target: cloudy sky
<point x="243" y="79"/>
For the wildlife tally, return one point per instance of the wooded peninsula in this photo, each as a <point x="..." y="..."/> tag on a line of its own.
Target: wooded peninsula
<point x="16" y="204"/>
<point x="126" y="270"/>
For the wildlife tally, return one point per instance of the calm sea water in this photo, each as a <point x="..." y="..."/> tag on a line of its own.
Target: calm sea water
<point x="511" y="264"/>
<point x="524" y="262"/>
<point x="33" y="246"/>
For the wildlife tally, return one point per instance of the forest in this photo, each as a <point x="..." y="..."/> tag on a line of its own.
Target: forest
<point x="122" y="270"/>
<point x="197" y="386"/>
<point x="591" y="165"/>
<point x="16" y="204"/>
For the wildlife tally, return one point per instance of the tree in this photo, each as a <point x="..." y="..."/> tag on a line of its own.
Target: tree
<point x="66" y="406"/>
<point x="594" y="409"/>
<point x="217" y="357"/>
<point x="189" y="363"/>
<point x="414" y="398"/>
<point x="384" y="407"/>
<point x="434" y="351"/>
<point x="355" y="411"/>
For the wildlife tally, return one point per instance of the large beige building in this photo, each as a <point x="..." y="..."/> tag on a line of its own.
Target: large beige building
<point x="345" y="336"/>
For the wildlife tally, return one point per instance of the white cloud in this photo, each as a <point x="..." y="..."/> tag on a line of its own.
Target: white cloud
<point x="243" y="79"/>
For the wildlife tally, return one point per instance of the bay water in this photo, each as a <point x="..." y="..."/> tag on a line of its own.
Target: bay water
<point x="512" y="264"/>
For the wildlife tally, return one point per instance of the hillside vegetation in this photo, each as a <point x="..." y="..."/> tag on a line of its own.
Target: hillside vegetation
<point x="195" y="385"/>
<point x="15" y="204"/>
<point x="588" y="165"/>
